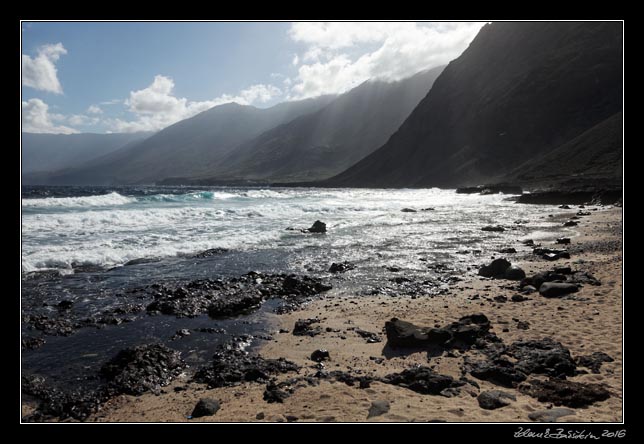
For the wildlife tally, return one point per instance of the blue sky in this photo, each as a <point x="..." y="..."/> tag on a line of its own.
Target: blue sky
<point x="133" y="76"/>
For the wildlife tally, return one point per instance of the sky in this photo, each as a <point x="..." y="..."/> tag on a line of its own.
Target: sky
<point x="114" y="77"/>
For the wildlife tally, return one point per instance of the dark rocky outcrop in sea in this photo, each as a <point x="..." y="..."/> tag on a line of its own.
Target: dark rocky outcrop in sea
<point x="341" y="267"/>
<point x="221" y="298"/>
<point x="143" y="368"/>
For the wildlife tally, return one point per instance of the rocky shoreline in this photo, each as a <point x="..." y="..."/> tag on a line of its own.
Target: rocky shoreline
<point x="540" y="345"/>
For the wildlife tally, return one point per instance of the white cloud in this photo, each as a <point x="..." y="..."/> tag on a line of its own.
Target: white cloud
<point x="36" y="119"/>
<point x="111" y="102"/>
<point x="94" y="109"/>
<point x="341" y="55"/>
<point x="40" y="72"/>
<point x="296" y="60"/>
<point x="155" y="107"/>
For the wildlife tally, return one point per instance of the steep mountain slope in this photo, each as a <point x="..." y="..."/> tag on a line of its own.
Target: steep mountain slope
<point x="324" y="143"/>
<point x="594" y="156"/>
<point x="188" y="147"/>
<point x="519" y="91"/>
<point x="48" y="152"/>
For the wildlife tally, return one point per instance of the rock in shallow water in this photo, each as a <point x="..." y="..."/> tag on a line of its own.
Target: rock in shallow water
<point x="317" y="227"/>
<point x="142" y="368"/>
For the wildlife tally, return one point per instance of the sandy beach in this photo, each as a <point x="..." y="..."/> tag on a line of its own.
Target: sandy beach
<point x="589" y="321"/>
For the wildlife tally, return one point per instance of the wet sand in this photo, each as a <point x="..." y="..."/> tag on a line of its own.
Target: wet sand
<point x="589" y="322"/>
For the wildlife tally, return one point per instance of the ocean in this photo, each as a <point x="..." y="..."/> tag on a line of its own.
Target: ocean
<point x="96" y="247"/>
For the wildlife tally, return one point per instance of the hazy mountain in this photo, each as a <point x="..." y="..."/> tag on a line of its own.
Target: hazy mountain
<point x="188" y="147"/>
<point x="519" y="91"/>
<point x="48" y="152"/>
<point x="324" y="143"/>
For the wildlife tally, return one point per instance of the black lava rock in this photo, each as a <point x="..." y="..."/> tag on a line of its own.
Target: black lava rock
<point x="564" y="392"/>
<point x="320" y="355"/>
<point x="495" y="399"/>
<point x="142" y="368"/>
<point x="556" y="289"/>
<point x="205" y="407"/>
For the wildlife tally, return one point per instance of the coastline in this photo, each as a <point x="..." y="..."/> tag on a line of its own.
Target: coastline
<point x="590" y="322"/>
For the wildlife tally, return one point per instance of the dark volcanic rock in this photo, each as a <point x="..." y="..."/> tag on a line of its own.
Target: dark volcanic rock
<point x="141" y="260"/>
<point x="65" y="305"/>
<point x="495" y="399"/>
<point x="370" y="337"/>
<point x="378" y="408"/>
<point x="320" y="355"/>
<point x="274" y="393"/>
<point x="496" y="269"/>
<point x="463" y="333"/>
<point x="422" y="380"/>
<point x="518" y="298"/>
<point x="341" y="267"/>
<point x="408" y="210"/>
<point x="32" y="343"/>
<point x="142" y="368"/>
<point x="303" y="327"/>
<point x="570" y="223"/>
<point x="499" y="371"/>
<point x="317" y="227"/>
<point x="556" y="289"/>
<point x="58" y="326"/>
<point x="509" y="250"/>
<point x="234" y="305"/>
<point x="232" y="296"/>
<point x="593" y="361"/>
<point x="61" y="404"/>
<point x="544" y="356"/>
<point x="563" y="240"/>
<point x="528" y="242"/>
<point x="514" y="273"/>
<point x="232" y="366"/>
<point x="564" y="392"/>
<point x="493" y="228"/>
<point x="550" y="415"/>
<point x="211" y="252"/>
<point x="205" y="407"/>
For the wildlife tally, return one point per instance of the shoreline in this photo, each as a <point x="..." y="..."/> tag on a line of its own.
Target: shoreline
<point x="591" y="321"/>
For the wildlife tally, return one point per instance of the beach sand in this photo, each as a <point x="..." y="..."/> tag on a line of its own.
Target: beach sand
<point x="589" y="322"/>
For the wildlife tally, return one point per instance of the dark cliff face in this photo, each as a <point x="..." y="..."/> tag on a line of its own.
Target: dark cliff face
<point x="519" y="91"/>
<point x="322" y="144"/>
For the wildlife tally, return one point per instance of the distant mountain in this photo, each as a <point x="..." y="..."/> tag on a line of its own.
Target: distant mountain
<point x="519" y="91"/>
<point x="48" y="152"/>
<point x="322" y="144"/>
<point x="188" y="147"/>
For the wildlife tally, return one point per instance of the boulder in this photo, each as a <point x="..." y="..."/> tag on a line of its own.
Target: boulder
<point x="496" y="269"/>
<point x="563" y="240"/>
<point x="378" y="408"/>
<point x="317" y="227"/>
<point x="498" y="228"/>
<point x="320" y="355"/>
<point x="514" y="273"/>
<point x="557" y="289"/>
<point x="494" y="399"/>
<point x="205" y="407"/>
